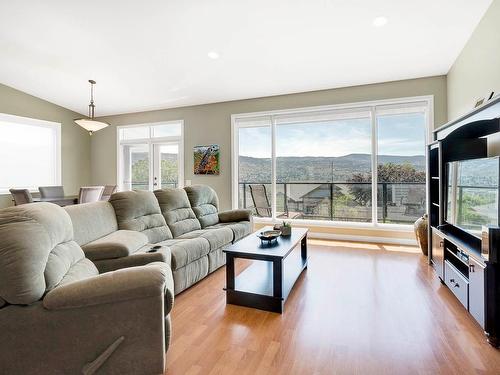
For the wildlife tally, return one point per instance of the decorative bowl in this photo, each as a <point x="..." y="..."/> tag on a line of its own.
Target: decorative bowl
<point x="269" y="235"/>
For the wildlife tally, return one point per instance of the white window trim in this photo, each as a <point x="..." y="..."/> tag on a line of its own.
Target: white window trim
<point x="372" y="107"/>
<point x="56" y="126"/>
<point x="150" y="142"/>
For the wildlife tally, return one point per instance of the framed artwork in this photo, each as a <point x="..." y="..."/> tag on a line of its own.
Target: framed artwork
<point x="206" y="159"/>
<point x="479" y="102"/>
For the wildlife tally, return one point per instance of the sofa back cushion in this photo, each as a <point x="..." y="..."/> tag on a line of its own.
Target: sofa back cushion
<point x="92" y="221"/>
<point x="37" y="252"/>
<point x="177" y="211"/>
<point x="139" y="210"/>
<point x="205" y="204"/>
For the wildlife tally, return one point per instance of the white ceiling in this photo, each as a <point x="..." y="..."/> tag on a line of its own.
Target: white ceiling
<point x="152" y="54"/>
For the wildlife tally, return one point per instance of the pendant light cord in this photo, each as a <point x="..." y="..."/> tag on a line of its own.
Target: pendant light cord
<point x="91" y="105"/>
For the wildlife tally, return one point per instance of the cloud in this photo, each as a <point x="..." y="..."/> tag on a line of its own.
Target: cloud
<point x="397" y="135"/>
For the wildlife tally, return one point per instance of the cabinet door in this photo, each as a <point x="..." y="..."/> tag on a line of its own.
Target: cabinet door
<point x="476" y="291"/>
<point x="437" y="252"/>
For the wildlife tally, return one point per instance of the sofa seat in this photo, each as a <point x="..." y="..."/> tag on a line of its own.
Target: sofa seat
<point x="217" y="237"/>
<point x="118" y="244"/>
<point x="187" y="250"/>
<point x="240" y="229"/>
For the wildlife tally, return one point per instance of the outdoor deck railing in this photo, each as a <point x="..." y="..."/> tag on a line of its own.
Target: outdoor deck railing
<point x="343" y="201"/>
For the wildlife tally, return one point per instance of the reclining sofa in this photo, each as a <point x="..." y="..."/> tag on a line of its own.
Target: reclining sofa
<point x="60" y="315"/>
<point x="181" y="227"/>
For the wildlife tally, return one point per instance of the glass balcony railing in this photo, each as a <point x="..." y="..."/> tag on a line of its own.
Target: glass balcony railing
<point x="398" y="203"/>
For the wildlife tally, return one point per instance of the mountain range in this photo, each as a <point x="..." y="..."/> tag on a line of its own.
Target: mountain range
<point x="317" y="169"/>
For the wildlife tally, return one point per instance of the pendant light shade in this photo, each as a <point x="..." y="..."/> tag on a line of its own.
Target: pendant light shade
<point x="88" y="123"/>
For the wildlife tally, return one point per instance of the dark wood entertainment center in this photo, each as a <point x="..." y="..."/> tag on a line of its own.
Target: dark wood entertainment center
<point x="466" y="264"/>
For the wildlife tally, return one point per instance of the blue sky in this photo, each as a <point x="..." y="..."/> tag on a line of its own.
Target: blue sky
<point x="397" y="135"/>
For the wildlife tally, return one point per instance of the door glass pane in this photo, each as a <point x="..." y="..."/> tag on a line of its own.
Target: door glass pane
<point x="167" y="130"/>
<point x="169" y="165"/>
<point x="135" y="167"/>
<point x="324" y="170"/>
<point x="255" y="169"/>
<point x="401" y="168"/>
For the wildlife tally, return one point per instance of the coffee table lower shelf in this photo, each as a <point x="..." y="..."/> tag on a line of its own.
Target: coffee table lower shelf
<point x="258" y="285"/>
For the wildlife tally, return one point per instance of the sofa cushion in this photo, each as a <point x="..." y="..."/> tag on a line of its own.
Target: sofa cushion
<point x="177" y="211"/>
<point x="115" y="245"/>
<point x="205" y="204"/>
<point x="216" y="237"/>
<point x="92" y="221"/>
<point x="240" y="229"/>
<point x="139" y="210"/>
<point x="37" y="252"/>
<point x="185" y="251"/>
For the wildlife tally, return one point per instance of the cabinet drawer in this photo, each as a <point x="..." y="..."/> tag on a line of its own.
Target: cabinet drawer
<point x="457" y="283"/>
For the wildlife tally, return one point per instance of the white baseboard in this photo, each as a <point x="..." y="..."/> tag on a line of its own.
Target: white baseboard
<point x="370" y="239"/>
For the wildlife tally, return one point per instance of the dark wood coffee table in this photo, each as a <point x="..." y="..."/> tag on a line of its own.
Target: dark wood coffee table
<point x="267" y="283"/>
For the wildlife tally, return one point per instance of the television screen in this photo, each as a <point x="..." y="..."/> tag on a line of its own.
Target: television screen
<point x="472" y="194"/>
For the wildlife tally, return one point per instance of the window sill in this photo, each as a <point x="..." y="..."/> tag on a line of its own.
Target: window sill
<point x="408" y="228"/>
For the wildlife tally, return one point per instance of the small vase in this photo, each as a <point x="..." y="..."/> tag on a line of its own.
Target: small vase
<point x="421" y="228"/>
<point x="286" y="231"/>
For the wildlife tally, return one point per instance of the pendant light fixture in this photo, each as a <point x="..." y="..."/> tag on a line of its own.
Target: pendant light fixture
<point x="89" y="123"/>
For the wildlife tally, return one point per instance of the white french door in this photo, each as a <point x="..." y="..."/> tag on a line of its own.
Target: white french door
<point x="148" y="161"/>
<point x="165" y="165"/>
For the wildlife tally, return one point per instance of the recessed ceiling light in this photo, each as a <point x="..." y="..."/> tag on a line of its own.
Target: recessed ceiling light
<point x="213" y="55"/>
<point x="379" y="21"/>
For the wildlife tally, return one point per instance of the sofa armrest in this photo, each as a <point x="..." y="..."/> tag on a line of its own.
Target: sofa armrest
<point x="118" y="244"/>
<point x="112" y="287"/>
<point x="235" y="215"/>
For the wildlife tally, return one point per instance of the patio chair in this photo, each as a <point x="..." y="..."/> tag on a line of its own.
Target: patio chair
<point x="261" y="203"/>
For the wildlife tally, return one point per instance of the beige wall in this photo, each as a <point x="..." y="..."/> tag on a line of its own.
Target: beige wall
<point x="75" y="142"/>
<point x="476" y="72"/>
<point x="211" y="123"/>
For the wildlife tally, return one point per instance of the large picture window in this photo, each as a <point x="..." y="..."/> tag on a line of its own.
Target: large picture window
<point x="30" y="153"/>
<point x="362" y="163"/>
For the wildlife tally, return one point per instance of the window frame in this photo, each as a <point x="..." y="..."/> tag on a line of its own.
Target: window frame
<point x="384" y="106"/>
<point x="56" y="127"/>
<point x="150" y="141"/>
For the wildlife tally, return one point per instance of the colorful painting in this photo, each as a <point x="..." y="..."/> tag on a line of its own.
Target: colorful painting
<point x="206" y="159"/>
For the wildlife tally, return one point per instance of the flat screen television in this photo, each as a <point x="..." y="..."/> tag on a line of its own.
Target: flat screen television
<point x="472" y="194"/>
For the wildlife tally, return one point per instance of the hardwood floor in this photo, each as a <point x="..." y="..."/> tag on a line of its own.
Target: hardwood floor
<point x="357" y="309"/>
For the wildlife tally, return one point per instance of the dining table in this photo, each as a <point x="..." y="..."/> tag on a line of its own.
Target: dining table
<point x="60" y="201"/>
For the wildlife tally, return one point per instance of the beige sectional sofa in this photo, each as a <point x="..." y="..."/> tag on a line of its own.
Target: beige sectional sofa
<point x="181" y="227"/>
<point x="89" y="288"/>
<point x="60" y="315"/>
<point x="96" y="231"/>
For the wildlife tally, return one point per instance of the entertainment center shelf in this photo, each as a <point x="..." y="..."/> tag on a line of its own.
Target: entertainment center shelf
<point x="464" y="254"/>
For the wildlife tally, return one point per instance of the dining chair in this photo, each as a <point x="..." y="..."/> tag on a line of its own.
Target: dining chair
<point x="21" y="196"/>
<point x="107" y="192"/>
<point x="90" y="194"/>
<point x="51" y="191"/>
